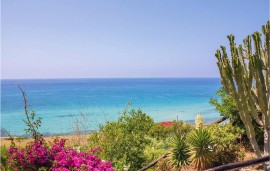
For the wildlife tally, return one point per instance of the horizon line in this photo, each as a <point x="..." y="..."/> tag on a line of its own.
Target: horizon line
<point x="100" y="78"/>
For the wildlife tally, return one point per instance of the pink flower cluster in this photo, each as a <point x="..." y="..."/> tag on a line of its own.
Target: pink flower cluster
<point x="57" y="158"/>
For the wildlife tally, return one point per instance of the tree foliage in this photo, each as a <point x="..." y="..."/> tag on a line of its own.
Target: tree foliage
<point x="226" y="106"/>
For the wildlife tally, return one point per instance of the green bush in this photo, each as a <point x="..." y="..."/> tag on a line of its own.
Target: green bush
<point x="123" y="142"/>
<point x="156" y="149"/>
<point x="226" y="106"/>
<point x="208" y="146"/>
<point x="4" y="151"/>
<point x="179" y="127"/>
<point x="226" y="143"/>
<point x="161" y="132"/>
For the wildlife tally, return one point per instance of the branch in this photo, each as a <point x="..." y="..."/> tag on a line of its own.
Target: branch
<point x="154" y="162"/>
<point x="27" y="113"/>
<point x="241" y="164"/>
<point x="219" y="120"/>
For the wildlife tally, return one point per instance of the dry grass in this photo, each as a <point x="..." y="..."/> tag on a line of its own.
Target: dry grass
<point x="22" y="142"/>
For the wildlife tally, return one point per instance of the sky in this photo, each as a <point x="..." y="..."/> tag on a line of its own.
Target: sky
<point x="120" y="38"/>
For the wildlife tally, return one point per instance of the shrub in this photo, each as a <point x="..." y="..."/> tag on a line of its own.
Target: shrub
<point x="192" y="148"/>
<point x="179" y="156"/>
<point x="226" y="147"/>
<point x="156" y="149"/>
<point x="179" y="127"/>
<point x="226" y="106"/>
<point x="38" y="156"/>
<point x="4" y="151"/>
<point x="161" y="132"/>
<point x="200" y="151"/>
<point x="123" y="141"/>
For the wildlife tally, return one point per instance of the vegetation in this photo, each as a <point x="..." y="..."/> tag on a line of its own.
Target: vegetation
<point x="226" y="106"/>
<point x="199" y="121"/>
<point x="156" y="148"/>
<point x="30" y="121"/>
<point x="161" y="132"/>
<point x="246" y="77"/>
<point x="205" y="146"/>
<point x="134" y="140"/>
<point x="194" y="147"/>
<point x="38" y="155"/>
<point x="4" y="152"/>
<point x="226" y="139"/>
<point x="200" y="144"/>
<point x="123" y="142"/>
<point x="180" y="150"/>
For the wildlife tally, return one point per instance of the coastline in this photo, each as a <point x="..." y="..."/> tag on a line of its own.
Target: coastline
<point x="87" y="132"/>
<point x="71" y="137"/>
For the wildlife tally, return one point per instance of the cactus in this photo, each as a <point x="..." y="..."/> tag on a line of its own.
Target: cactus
<point x="246" y="76"/>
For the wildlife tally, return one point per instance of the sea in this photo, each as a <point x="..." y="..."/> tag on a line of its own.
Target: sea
<point x="68" y="105"/>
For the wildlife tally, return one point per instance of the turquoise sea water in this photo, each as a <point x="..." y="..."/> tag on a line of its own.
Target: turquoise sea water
<point x="60" y="101"/>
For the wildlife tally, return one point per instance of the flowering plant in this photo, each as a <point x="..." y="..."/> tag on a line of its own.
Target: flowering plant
<point x="38" y="155"/>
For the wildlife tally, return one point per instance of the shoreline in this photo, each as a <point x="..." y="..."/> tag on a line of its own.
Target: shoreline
<point x="71" y="137"/>
<point x="87" y="132"/>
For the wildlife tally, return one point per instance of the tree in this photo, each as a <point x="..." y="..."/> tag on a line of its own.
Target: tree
<point x="226" y="106"/>
<point x="246" y="77"/>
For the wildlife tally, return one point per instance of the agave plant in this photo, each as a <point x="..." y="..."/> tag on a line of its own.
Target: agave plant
<point x="179" y="156"/>
<point x="200" y="151"/>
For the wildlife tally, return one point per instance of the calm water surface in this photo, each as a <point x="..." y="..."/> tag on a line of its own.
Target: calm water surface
<point x="60" y="101"/>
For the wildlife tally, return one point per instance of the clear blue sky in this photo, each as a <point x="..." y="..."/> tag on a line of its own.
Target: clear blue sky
<point x="121" y="38"/>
